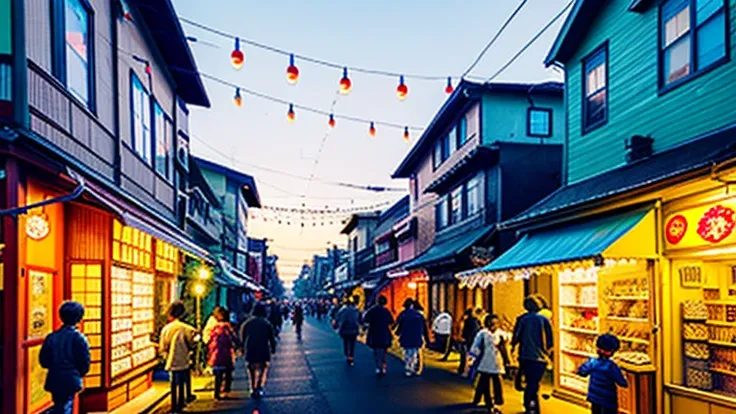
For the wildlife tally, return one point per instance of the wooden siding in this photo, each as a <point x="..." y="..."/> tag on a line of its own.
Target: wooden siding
<point x="38" y="32"/>
<point x="141" y="181"/>
<point x="88" y="233"/>
<point x="635" y="106"/>
<point x="505" y="118"/>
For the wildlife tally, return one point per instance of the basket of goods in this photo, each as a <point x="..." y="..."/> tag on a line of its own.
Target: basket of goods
<point x="697" y="350"/>
<point x="694" y="331"/>
<point x="694" y="309"/>
<point x="634" y="358"/>
<point x="699" y="379"/>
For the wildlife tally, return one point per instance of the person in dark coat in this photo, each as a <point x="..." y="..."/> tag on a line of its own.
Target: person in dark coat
<point x="275" y="317"/>
<point x="65" y="353"/>
<point x="347" y="323"/>
<point x="298" y="319"/>
<point x="412" y="330"/>
<point x="471" y="326"/>
<point x="379" y="338"/>
<point x="259" y="342"/>
<point x="221" y="349"/>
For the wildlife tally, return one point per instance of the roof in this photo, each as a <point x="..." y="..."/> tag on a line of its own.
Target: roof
<point x="656" y="171"/>
<point x="481" y="154"/>
<point x="196" y="179"/>
<point x="356" y="218"/>
<point x="246" y="182"/>
<point x="465" y="93"/>
<point x="444" y="250"/>
<point x="392" y="215"/>
<point x="576" y="27"/>
<point x="165" y="29"/>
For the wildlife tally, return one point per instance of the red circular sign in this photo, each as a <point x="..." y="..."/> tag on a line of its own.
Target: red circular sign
<point x="716" y="224"/>
<point x="675" y="229"/>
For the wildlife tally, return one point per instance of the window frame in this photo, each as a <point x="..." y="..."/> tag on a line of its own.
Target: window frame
<point x="461" y="190"/>
<point x="587" y="127"/>
<point x="59" y="62"/>
<point x="479" y="189"/>
<point x="133" y="142"/>
<point x="529" y="121"/>
<point x="695" y="71"/>
<point x="168" y="175"/>
<point x="462" y="131"/>
<point x="443" y="200"/>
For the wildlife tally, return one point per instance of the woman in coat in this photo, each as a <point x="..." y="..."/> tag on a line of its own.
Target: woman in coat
<point x="259" y="342"/>
<point x="379" y="337"/>
<point x="487" y="346"/>
<point x="221" y="346"/>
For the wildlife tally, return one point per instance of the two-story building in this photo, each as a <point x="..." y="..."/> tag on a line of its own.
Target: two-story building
<point x="639" y="241"/>
<point x="94" y="144"/>
<point x="360" y="229"/>
<point x="491" y="151"/>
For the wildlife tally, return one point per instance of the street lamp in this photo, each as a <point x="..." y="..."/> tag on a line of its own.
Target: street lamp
<point x="198" y="289"/>
<point x="203" y="273"/>
<point x="413" y="286"/>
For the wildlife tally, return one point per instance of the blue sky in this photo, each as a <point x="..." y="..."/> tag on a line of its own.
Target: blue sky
<point x="425" y="37"/>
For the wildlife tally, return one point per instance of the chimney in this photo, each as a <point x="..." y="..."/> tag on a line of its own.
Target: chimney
<point x="638" y="148"/>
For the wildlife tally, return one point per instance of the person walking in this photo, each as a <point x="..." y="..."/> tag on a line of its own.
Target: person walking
<point x="275" y="317"/>
<point x="298" y="319"/>
<point x="412" y="330"/>
<point x="489" y="363"/>
<point x="604" y="375"/>
<point x="533" y="335"/>
<point x="471" y="326"/>
<point x="65" y="354"/>
<point x="442" y="328"/>
<point x="379" y="338"/>
<point x="420" y="355"/>
<point x="347" y="323"/>
<point x="259" y="342"/>
<point x="221" y="350"/>
<point x="175" y="345"/>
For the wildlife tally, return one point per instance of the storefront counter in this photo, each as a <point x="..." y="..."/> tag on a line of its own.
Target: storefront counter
<point x="638" y="398"/>
<point x="683" y="400"/>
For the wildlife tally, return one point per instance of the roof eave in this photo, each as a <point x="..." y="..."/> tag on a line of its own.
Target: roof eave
<point x="553" y="56"/>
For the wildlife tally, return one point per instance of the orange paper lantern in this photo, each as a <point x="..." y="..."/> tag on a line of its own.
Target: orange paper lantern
<point x="345" y="84"/>
<point x="237" y="58"/>
<point x="292" y="72"/>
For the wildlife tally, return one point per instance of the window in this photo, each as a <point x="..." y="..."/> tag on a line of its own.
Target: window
<point x="162" y="131"/>
<point x="462" y="132"/>
<point x="457" y="205"/>
<point x="383" y="246"/>
<point x="71" y="48"/>
<point x="473" y="195"/>
<point x="595" y="99"/>
<point x="437" y="155"/>
<point x="693" y="34"/>
<point x="441" y="213"/>
<point x="452" y="140"/>
<point x="141" y="106"/>
<point x="415" y="188"/>
<point x="539" y="122"/>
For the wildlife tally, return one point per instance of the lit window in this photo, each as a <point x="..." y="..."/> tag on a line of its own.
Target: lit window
<point x="595" y="99"/>
<point x="539" y="122"/>
<point x="457" y="204"/>
<point x="691" y="29"/>
<point x="162" y="131"/>
<point x="141" y="119"/>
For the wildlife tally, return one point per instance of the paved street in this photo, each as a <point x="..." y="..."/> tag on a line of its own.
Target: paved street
<point x="312" y="377"/>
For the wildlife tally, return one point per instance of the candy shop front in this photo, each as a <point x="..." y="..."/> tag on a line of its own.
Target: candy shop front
<point x="603" y="269"/>
<point x="699" y="295"/>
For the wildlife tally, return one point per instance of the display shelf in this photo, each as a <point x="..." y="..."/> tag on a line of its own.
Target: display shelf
<point x="719" y="302"/>
<point x="627" y="319"/>
<point x="723" y="372"/>
<point x="723" y="344"/>
<point x="579" y="305"/>
<point x="578" y="353"/>
<point x="573" y="375"/>
<point x="581" y="283"/>
<point x="720" y="323"/>
<point x="694" y="319"/>
<point x="628" y="297"/>
<point x="579" y="330"/>
<point x="696" y="339"/>
<point x="634" y="340"/>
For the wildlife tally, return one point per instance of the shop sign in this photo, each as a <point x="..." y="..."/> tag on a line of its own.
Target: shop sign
<point x="37" y="227"/>
<point x="709" y="225"/>
<point x="691" y="276"/>
<point x="480" y="256"/>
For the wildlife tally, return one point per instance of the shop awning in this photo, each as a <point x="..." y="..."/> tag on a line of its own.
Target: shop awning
<point x="232" y="277"/>
<point x="445" y="251"/>
<point x="625" y="235"/>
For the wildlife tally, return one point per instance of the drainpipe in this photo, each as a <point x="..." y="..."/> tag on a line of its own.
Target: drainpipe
<point x="117" y="169"/>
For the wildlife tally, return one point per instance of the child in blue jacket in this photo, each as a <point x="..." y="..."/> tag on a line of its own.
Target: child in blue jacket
<point x="604" y="375"/>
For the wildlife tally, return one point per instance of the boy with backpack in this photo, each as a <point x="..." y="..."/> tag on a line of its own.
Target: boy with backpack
<point x="604" y="375"/>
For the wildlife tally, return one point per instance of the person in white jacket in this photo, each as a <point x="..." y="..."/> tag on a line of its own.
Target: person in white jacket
<point x="488" y="346"/>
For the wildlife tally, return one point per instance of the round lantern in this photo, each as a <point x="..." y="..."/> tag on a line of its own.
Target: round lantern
<point x="238" y="99"/>
<point x="449" y="89"/>
<point x="291" y="116"/>
<point x="331" y="122"/>
<point x="406" y="133"/>
<point x="345" y="84"/>
<point x="237" y="58"/>
<point x="372" y="130"/>
<point x="402" y="90"/>
<point x="292" y="72"/>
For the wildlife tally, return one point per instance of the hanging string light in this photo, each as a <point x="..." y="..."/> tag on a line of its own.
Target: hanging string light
<point x="402" y="90"/>
<point x="331" y="122"/>
<point x="449" y="89"/>
<point x="291" y="116"/>
<point x="149" y="70"/>
<point x="238" y="99"/>
<point x="292" y="72"/>
<point x="406" y="134"/>
<point x="345" y="84"/>
<point x="372" y="130"/>
<point x="237" y="58"/>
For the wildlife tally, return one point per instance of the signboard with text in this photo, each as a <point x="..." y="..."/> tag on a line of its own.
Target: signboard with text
<point x="702" y="226"/>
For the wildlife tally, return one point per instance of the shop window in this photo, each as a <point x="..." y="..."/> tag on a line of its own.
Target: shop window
<point x="474" y="195"/>
<point x="72" y="48"/>
<point x="131" y="246"/>
<point x="141" y="119"/>
<point x="442" y="211"/>
<point x="693" y="38"/>
<point x="595" y="94"/>
<point x="86" y="280"/>
<point x="167" y="258"/>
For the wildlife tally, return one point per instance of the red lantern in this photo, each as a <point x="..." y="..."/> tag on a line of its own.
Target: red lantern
<point x="345" y="84"/>
<point x="372" y="130"/>
<point x="449" y="89"/>
<point x="237" y="58"/>
<point x="292" y="72"/>
<point x="237" y="98"/>
<point x="291" y="116"/>
<point x="149" y="70"/>
<point x="402" y="90"/>
<point x="331" y="122"/>
<point x="406" y="134"/>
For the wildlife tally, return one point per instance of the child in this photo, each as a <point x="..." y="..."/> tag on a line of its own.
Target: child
<point x="604" y="376"/>
<point x="65" y="353"/>
<point x="221" y="346"/>
<point x="177" y="341"/>
<point x="489" y="363"/>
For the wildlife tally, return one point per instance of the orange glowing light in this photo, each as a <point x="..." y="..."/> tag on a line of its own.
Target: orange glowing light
<point x="331" y="122"/>
<point x="237" y="58"/>
<point x="406" y="134"/>
<point x="291" y="116"/>
<point x="372" y="130"/>
<point x="345" y="84"/>
<point x="238" y="99"/>
<point x="402" y="90"/>
<point x="292" y="72"/>
<point x="449" y="89"/>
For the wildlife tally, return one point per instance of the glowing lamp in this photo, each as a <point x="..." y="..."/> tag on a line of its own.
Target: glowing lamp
<point x="291" y="116"/>
<point x="237" y="98"/>
<point x="372" y="130"/>
<point x="406" y="133"/>
<point x="127" y="16"/>
<point x="203" y="273"/>
<point x="402" y="90"/>
<point x="237" y="58"/>
<point x="412" y="285"/>
<point x="449" y="89"/>
<point x="331" y="122"/>
<point x="292" y="72"/>
<point x="198" y="289"/>
<point x="345" y="84"/>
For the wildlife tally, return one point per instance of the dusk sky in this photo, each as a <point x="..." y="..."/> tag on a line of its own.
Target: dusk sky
<point x="430" y="37"/>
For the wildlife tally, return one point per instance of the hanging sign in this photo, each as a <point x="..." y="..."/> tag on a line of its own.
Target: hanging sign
<point x="37" y="227"/>
<point x="708" y="225"/>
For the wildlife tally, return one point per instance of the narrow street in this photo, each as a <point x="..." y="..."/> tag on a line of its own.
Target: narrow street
<point x="311" y="377"/>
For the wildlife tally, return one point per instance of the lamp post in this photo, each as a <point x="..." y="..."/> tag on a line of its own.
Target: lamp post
<point x="199" y="289"/>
